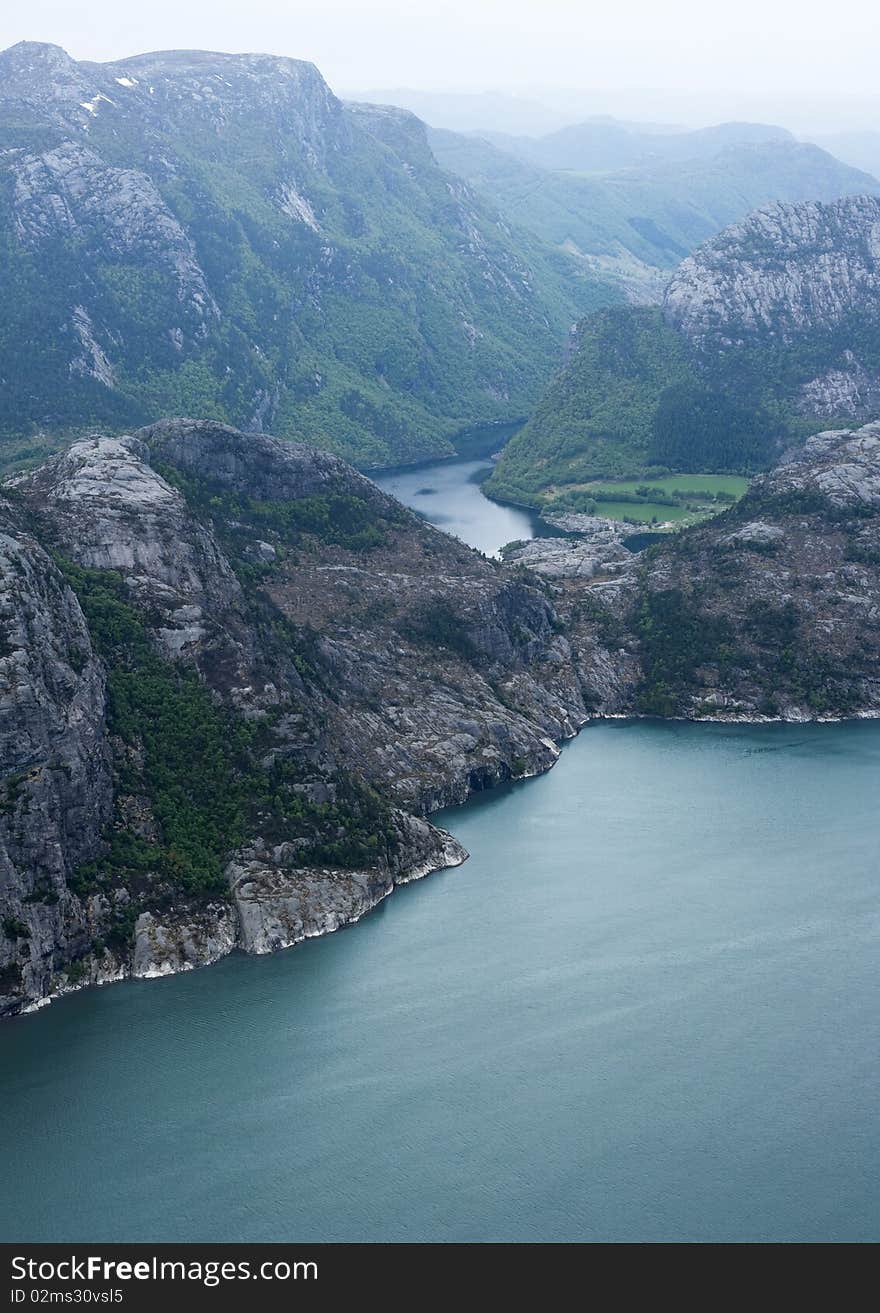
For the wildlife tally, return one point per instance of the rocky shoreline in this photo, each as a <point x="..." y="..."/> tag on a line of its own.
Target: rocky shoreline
<point x="262" y="920"/>
<point x="371" y="670"/>
<point x="343" y="670"/>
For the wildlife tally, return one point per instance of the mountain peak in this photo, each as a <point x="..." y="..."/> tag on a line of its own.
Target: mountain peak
<point x="29" y="65"/>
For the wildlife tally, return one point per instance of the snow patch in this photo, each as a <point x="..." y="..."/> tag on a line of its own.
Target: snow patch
<point x="92" y="105"/>
<point x="127" y="82"/>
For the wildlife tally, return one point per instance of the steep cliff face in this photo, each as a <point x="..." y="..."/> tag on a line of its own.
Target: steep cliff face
<point x="57" y="791"/>
<point x="236" y="677"/>
<point x="246" y="676"/>
<point x="766" y="331"/>
<point x="785" y="270"/>
<point x="802" y="283"/>
<point x="775" y="608"/>
<point x="771" y="610"/>
<point x="219" y="234"/>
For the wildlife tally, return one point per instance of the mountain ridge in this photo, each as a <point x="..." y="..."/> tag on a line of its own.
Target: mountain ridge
<point x="219" y="234"/>
<point x="632" y="223"/>
<point x="236" y="679"/>
<point x="766" y="330"/>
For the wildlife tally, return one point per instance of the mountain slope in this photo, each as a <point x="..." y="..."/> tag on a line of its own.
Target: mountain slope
<point x="652" y="215"/>
<point x="234" y="676"/>
<point x="219" y="235"/>
<point x="606" y="146"/>
<point x="767" y="329"/>
<point x="770" y="610"/>
<point x="773" y="609"/>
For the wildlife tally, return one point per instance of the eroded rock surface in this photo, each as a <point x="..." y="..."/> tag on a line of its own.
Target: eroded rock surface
<point x="389" y="653"/>
<point x="382" y="670"/>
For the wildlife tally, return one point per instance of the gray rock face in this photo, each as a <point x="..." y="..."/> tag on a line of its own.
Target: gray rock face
<point x="596" y="549"/>
<point x="163" y="946"/>
<point x="786" y="274"/>
<point x="771" y="610"/>
<point x="194" y="224"/>
<point x="181" y="85"/>
<point x="787" y="587"/>
<point x="560" y="558"/>
<point x="104" y="506"/>
<point x="410" y="663"/>
<point x="279" y="904"/>
<point x="56" y="789"/>
<point x="783" y="269"/>
<point x="431" y="673"/>
<point x="842" y="465"/>
<point x="70" y="192"/>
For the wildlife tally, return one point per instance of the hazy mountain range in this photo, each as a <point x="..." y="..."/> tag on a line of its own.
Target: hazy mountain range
<point x="220" y="235"/>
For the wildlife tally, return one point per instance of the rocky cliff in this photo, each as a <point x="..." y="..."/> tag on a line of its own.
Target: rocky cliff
<point x="802" y="282"/>
<point x="235" y="679"/>
<point x="772" y="610"/>
<point x="217" y="234"/>
<point x="765" y="332"/>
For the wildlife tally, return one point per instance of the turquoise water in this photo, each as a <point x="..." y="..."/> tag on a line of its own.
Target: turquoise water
<point x="646" y="1009"/>
<point x="448" y="494"/>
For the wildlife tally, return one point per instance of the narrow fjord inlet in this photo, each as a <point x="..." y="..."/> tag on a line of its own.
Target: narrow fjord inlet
<point x="645" y="1009"/>
<point x="449" y="494"/>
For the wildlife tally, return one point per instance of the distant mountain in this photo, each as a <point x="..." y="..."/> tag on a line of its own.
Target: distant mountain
<point x="606" y="145"/>
<point x="861" y="149"/>
<point x="654" y="216"/>
<point x="219" y="235"/>
<point x="485" y="111"/>
<point x="766" y="332"/>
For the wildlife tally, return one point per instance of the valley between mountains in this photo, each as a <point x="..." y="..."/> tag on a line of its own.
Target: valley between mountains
<point x="236" y="678"/>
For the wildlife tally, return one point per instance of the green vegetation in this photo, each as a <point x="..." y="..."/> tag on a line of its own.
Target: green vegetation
<point x="379" y="334"/>
<point x="595" y="419"/>
<point x="654" y="214"/>
<point x="702" y="487"/>
<point x="199" y="765"/>
<point x="676" y="636"/>
<point x="680" y="499"/>
<point x="634" y="401"/>
<point x="436" y="621"/>
<point x="696" y="426"/>
<point x="342" y="519"/>
<point x="10" y="979"/>
<point x="705" y="627"/>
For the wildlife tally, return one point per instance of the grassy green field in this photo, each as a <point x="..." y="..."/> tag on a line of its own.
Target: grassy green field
<point x="691" y="484"/>
<point x="647" y="512"/>
<point x="682" y="499"/>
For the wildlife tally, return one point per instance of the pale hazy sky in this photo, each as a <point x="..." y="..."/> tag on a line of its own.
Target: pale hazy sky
<point x="755" y="52"/>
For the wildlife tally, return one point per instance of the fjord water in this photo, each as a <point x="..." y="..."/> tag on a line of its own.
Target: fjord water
<point x="645" y="1009"/>
<point x="448" y="493"/>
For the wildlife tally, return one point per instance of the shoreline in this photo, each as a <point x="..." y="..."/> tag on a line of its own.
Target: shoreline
<point x="484" y="452"/>
<point x="453" y="855"/>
